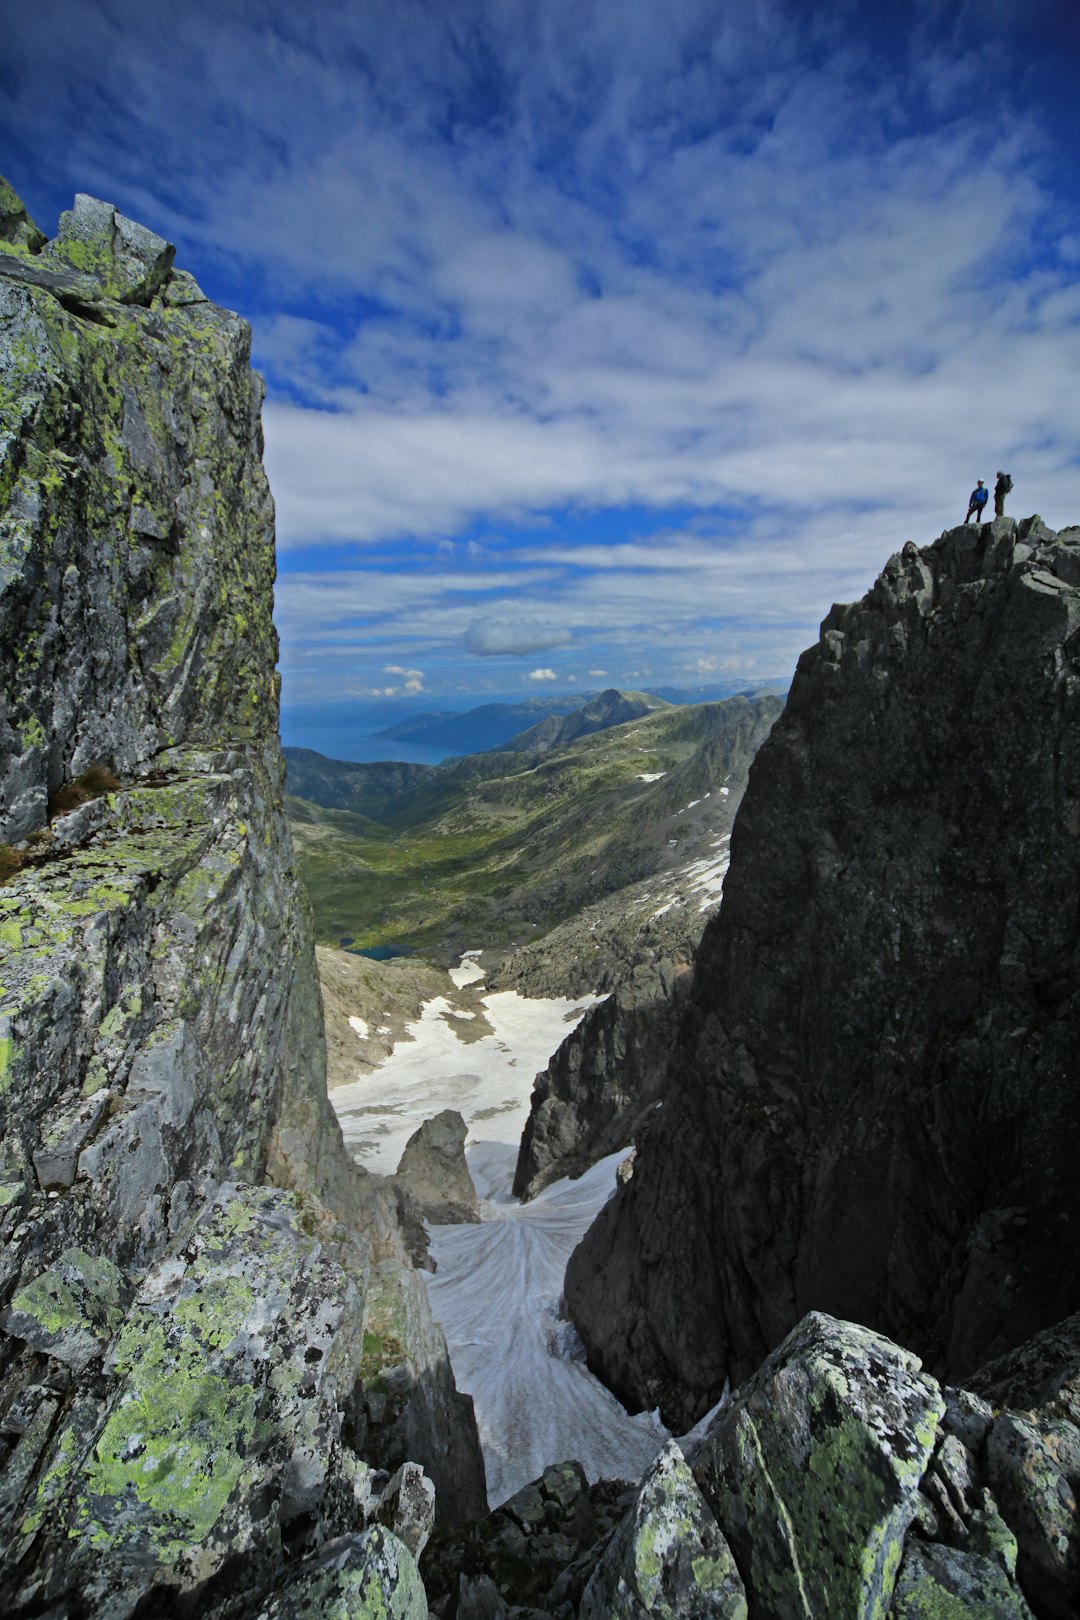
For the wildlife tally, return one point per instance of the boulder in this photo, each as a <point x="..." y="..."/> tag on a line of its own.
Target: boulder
<point x="434" y="1171"/>
<point x="668" y="1558"/>
<point x="1033" y="1466"/>
<point x="371" y="1574"/>
<point x="813" y="1471"/>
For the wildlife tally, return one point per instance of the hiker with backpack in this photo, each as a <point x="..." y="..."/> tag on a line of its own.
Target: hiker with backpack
<point x="1001" y="489"/>
<point x="977" y="504"/>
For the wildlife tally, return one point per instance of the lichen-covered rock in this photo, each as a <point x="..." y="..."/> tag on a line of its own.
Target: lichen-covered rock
<point x="371" y="1576"/>
<point x="1042" y="1375"/>
<point x="943" y="1583"/>
<point x="71" y="1311"/>
<point x="668" y="1558"/>
<point x="17" y="229"/>
<point x="179" y="1347"/>
<point x="813" y="1471"/>
<point x="1034" y="1470"/>
<point x="872" y="1105"/>
<point x="216" y="1432"/>
<point x="434" y="1171"/>
<point x="136" y="526"/>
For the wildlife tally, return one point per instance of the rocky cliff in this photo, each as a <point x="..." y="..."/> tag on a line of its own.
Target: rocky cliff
<point x="181" y="1343"/>
<point x="872" y="1107"/>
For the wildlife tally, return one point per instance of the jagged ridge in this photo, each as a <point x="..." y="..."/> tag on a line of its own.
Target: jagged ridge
<point x="873" y="1104"/>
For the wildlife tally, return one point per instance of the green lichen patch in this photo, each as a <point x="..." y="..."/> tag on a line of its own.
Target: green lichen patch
<point x="944" y="1583"/>
<point x="815" y="1470"/>
<point x="172" y="1451"/>
<point x="72" y="1310"/>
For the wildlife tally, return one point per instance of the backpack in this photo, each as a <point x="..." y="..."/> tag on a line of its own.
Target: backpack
<point x="1006" y="484"/>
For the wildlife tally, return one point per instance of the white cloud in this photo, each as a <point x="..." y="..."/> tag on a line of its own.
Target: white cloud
<point x="732" y="264"/>
<point x="541" y="675"/>
<point x="413" y="679"/>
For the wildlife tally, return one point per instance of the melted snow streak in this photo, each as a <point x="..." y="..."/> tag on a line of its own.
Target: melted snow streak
<point x="496" y="1293"/>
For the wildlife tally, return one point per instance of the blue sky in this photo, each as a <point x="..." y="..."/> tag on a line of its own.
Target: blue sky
<point x="605" y="343"/>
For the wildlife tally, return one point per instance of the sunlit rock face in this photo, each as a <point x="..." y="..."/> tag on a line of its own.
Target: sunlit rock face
<point x="872" y="1105"/>
<point x="180" y="1344"/>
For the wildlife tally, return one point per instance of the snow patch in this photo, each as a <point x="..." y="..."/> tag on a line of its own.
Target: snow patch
<point x="650" y="776"/>
<point x="433" y="1068"/>
<point x="468" y="971"/>
<point x="360" y="1027"/>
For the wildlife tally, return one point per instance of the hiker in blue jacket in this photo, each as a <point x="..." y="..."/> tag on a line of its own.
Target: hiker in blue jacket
<point x="977" y="504"/>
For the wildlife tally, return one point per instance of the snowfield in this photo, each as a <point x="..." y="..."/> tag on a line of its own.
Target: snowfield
<point x="496" y="1293"/>
<point x="498" y="1288"/>
<point x="487" y="1077"/>
<point x="498" y="1285"/>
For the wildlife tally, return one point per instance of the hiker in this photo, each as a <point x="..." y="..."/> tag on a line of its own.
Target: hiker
<point x="1001" y="489"/>
<point x="977" y="504"/>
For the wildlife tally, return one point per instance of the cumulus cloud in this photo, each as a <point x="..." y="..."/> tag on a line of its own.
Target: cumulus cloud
<point x="412" y="679"/>
<point x="541" y="675"/>
<point x="491" y="638"/>
<point x="598" y="674"/>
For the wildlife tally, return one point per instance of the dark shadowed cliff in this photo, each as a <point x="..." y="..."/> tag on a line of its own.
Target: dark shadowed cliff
<point x="874" y="1102"/>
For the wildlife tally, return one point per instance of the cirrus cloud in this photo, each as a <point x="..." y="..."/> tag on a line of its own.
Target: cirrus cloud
<point x="493" y="638"/>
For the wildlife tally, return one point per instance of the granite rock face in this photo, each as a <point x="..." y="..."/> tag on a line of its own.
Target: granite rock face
<point x="181" y="1345"/>
<point x="603" y="1084"/>
<point x="872" y="1107"/>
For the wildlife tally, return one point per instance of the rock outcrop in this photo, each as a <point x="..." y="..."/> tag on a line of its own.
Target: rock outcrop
<point x="434" y="1171"/>
<point x="842" y="1482"/>
<point x="872" y="1106"/>
<point x="181" y="1345"/>
<point x="607" y="1078"/>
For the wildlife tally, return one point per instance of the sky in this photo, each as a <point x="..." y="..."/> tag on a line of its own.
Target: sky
<point x="605" y="344"/>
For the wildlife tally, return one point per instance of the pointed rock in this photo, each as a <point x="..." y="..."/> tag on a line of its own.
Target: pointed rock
<point x="433" y="1169"/>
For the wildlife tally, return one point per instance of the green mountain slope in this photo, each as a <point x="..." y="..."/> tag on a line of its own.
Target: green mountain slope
<point x="497" y="848"/>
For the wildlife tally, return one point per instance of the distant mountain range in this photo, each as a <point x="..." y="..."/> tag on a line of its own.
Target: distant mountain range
<point x="489" y="726"/>
<point x="501" y="725"/>
<point x="611" y="708"/>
